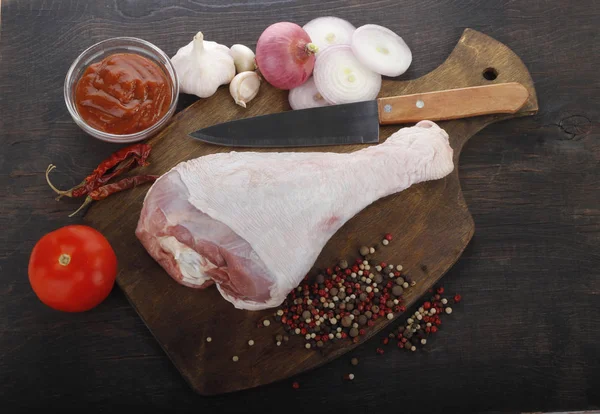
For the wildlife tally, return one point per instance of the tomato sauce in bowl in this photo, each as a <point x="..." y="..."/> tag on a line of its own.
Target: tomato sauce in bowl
<point x="122" y="90"/>
<point x="124" y="93"/>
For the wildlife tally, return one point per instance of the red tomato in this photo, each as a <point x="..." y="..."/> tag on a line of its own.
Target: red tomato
<point x="72" y="269"/>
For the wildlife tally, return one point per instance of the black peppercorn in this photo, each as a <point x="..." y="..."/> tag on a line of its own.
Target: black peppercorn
<point x="397" y="291"/>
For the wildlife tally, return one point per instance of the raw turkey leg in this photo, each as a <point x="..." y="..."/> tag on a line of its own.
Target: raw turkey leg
<point x="254" y="223"/>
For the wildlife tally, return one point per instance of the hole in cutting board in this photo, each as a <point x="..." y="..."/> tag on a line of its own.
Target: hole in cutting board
<point x="490" y="74"/>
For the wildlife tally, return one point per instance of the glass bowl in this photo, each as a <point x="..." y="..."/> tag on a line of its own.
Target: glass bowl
<point x="98" y="52"/>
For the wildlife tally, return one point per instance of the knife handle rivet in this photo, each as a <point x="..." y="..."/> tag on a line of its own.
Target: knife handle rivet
<point x="420" y="103"/>
<point x="387" y="108"/>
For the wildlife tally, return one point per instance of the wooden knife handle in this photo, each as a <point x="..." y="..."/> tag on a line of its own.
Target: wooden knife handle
<point x="453" y="103"/>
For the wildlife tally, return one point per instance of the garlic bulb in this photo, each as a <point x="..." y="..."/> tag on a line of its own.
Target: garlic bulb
<point x="202" y="66"/>
<point x="243" y="57"/>
<point x="244" y="87"/>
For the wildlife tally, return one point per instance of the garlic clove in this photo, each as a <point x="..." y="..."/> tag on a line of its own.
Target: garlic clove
<point x="244" y="87"/>
<point x="243" y="57"/>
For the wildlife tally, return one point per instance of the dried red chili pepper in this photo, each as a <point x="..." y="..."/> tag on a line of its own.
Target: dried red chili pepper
<point x="126" y="183"/>
<point x="100" y="181"/>
<point x="121" y="160"/>
<point x="140" y="152"/>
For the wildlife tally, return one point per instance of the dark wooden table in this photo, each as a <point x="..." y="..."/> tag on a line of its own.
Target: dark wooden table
<point x="527" y="336"/>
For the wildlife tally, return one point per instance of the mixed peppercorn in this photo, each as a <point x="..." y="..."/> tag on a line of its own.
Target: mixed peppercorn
<point x="344" y="300"/>
<point x="415" y="331"/>
<point x="413" y="334"/>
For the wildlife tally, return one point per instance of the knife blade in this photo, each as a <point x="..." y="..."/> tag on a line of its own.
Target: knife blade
<point x="358" y="123"/>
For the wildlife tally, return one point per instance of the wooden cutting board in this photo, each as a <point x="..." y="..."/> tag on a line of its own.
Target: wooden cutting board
<point x="430" y="222"/>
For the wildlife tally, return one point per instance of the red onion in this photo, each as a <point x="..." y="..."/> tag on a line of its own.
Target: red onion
<point x="285" y="55"/>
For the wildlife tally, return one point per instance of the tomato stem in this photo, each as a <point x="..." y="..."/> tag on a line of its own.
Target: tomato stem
<point x="64" y="259"/>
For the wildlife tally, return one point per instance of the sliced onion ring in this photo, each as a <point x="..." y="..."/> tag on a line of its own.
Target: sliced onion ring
<point x="341" y="78"/>
<point x="381" y="50"/>
<point x="306" y="96"/>
<point x="328" y="31"/>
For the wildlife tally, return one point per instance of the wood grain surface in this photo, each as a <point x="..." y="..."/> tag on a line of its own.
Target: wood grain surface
<point x="526" y="336"/>
<point x="431" y="223"/>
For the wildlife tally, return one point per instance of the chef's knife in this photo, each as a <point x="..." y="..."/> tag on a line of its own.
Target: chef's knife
<point x="358" y="123"/>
